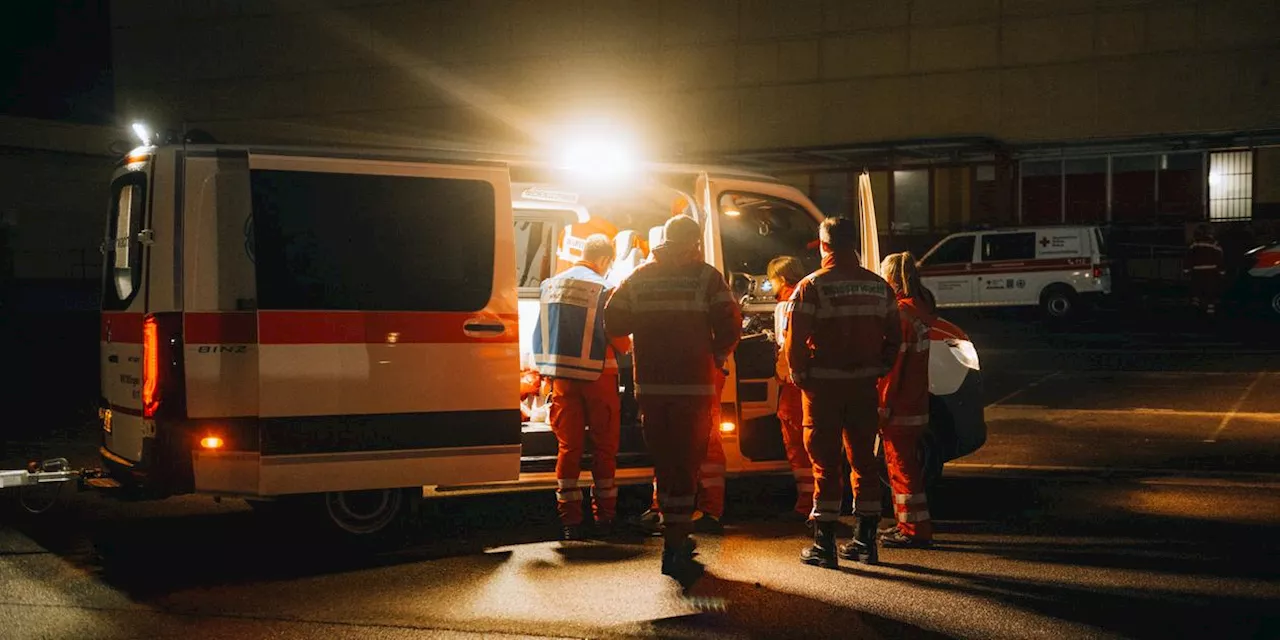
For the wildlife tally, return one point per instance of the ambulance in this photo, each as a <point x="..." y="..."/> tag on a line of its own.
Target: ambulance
<point x="347" y="331"/>
<point x="1057" y="269"/>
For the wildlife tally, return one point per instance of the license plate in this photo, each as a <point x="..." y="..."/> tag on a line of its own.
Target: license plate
<point x="106" y="420"/>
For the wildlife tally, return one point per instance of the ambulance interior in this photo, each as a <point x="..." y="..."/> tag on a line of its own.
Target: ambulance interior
<point x="551" y="222"/>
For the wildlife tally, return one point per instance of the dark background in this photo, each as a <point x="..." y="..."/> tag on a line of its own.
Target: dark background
<point x="55" y="60"/>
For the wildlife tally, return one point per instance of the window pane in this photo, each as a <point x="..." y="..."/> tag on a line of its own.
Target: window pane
<point x="1231" y="185"/>
<point x="958" y="250"/>
<point x="1086" y="190"/>
<point x="951" y="198"/>
<point x="1042" y="192"/>
<point x="1133" y="188"/>
<point x="1182" y="185"/>
<point x="833" y="193"/>
<point x="535" y="248"/>
<point x="910" y="201"/>
<point x="122" y="251"/>
<point x="1008" y="246"/>
<point x="376" y="243"/>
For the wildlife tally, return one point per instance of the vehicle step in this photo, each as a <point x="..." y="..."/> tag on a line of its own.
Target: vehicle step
<point x="103" y="483"/>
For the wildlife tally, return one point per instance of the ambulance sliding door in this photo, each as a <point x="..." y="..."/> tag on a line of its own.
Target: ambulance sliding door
<point x="387" y="324"/>
<point x="749" y="223"/>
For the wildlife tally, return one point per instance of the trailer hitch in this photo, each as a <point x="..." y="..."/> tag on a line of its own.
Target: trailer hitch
<point x="41" y="483"/>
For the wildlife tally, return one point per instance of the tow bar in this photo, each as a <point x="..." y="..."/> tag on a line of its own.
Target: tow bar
<point x="41" y="483"/>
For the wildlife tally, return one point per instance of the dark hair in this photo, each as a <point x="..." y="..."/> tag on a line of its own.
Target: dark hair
<point x="841" y="234"/>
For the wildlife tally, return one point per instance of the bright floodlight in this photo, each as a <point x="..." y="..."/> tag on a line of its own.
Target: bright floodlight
<point x="143" y="133"/>
<point x="599" y="155"/>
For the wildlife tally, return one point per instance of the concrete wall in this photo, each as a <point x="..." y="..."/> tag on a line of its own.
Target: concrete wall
<point x="698" y="75"/>
<point x="54" y="177"/>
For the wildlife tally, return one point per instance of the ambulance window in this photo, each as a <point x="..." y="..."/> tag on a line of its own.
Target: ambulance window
<point x="535" y="251"/>
<point x="122" y="251"/>
<point x="956" y="250"/>
<point x="1008" y="246"/>
<point x="757" y="228"/>
<point x="333" y="241"/>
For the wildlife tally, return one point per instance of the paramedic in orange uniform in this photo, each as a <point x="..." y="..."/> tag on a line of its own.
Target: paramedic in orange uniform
<point x="784" y="274"/>
<point x="1204" y="265"/>
<point x="842" y="334"/>
<point x="572" y="349"/>
<point x="904" y="406"/>
<point x="573" y="240"/>
<point x="685" y="324"/>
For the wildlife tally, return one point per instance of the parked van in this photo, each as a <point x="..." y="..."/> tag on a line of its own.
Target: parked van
<point x="1055" y="268"/>
<point x="344" y="328"/>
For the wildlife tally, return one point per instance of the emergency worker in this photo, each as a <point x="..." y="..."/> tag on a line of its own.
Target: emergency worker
<point x="842" y="335"/>
<point x="784" y="273"/>
<point x="904" y="407"/>
<point x="1204" y="266"/>
<point x="572" y="349"/>
<point x="685" y="324"/>
<point x="573" y="240"/>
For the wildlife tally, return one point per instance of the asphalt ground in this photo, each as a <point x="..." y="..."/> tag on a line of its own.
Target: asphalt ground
<point x="1129" y="487"/>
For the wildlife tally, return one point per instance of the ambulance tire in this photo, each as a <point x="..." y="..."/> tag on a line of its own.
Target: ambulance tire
<point x="1059" y="302"/>
<point x="375" y="517"/>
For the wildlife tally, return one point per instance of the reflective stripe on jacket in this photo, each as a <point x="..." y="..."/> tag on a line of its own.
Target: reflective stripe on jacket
<point x="842" y="323"/>
<point x="683" y="321"/>
<point x="904" y="392"/>
<point x="569" y="339"/>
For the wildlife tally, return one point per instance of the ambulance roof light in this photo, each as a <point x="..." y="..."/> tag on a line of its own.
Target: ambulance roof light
<point x="143" y="132"/>
<point x="598" y="152"/>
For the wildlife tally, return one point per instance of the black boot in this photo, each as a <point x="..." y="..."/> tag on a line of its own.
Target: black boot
<point x="823" y="551"/>
<point x="863" y="547"/>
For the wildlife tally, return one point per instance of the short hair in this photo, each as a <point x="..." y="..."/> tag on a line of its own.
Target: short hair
<point x="839" y="233"/>
<point x="682" y="230"/>
<point x="786" y="268"/>
<point x="597" y="246"/>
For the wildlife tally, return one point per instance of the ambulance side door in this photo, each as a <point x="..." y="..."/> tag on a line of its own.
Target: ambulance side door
<point x="1004" y="269"/>
<point x="751" y="394"/>
<point x="387" y="323"/>
<point x="947" y="271"/>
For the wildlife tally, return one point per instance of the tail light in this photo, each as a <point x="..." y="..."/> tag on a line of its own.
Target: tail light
<point x="1100" y="270"/>
<point x="162" y="375"/>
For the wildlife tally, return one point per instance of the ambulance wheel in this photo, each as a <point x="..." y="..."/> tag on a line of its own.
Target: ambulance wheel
<point x="1058" y="302"/>
<point x="366" y="515"/>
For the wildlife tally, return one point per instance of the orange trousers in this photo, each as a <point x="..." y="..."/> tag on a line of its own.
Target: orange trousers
<point x="840" y="416"/>
<point x="711" y="483"/>
<point x="677" y="430"/>
<point x="575" y="405"/>
<point x="906" y="478"/>
<point x="791" y="415"/>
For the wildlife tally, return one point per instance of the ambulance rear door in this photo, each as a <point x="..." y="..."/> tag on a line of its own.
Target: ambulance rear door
<point x="749" y="222"/>
<point x="387" y="323"/>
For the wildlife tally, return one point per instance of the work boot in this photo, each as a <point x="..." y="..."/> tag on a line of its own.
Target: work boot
<point x="603" y="530"/>
<point x="571" y="532"/>
<point x="679" y="565"/>
<point x="863" y="547"/>
<point x="897" y="539"/>
<point x="707" y="523"/>
<point x="823" y="551"/>
<point x="649" y="522"/>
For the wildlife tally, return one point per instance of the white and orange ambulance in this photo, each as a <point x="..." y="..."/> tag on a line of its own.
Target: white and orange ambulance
<point x="344" y="328"/>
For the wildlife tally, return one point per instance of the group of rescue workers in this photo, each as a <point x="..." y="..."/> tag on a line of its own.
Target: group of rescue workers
<point x="853" y="363"/>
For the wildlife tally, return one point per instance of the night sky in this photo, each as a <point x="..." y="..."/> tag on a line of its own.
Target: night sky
<point x="55" y="60"/>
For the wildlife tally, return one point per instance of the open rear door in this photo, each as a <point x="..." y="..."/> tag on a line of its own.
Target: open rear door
<point x="750" y="222"/>
<point x="387" y="324"/>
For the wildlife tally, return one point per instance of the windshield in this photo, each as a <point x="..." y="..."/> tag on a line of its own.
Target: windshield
<point x="756" y="229"/>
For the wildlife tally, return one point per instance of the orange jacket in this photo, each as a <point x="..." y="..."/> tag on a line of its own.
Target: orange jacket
<point x="683" y="320"/>
<point x="904" y="392"/>
<point x="779" y="331"/>
<point x="1204" y="257"/>
<point x="573" y="239"/>
<point x="842" y="324"/>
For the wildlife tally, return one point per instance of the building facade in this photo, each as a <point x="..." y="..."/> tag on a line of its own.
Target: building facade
<point x="965" y="112"/>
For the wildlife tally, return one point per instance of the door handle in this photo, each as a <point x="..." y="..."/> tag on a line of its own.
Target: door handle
<point x="484" y="328"/>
